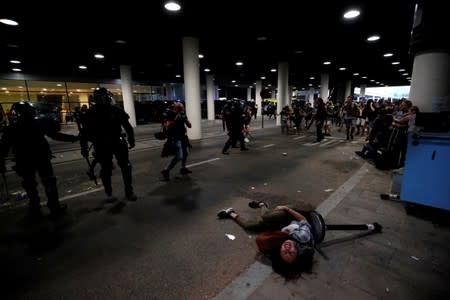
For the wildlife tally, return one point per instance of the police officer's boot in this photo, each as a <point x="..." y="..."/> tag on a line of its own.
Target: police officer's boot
<point x="56" y="208"/>
<point x="127" y="180"/>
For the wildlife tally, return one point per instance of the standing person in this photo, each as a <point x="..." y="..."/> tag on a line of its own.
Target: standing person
<point x="25" y="134"/>
<point x="320" y="117"/>
<point x="350" y="112"/>
<point x="175" y="124"/>
<point x="103" y="123"/>
<point x="235" y="127"/>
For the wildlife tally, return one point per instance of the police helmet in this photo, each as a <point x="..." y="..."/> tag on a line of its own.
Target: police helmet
<point x="21" y="112"/>
<point x="102" y="96"/>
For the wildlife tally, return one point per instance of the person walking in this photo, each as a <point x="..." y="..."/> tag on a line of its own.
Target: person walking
<point x="175" y="123"/>
<point x="103" y="124"/>
<point x="25" y="135"/>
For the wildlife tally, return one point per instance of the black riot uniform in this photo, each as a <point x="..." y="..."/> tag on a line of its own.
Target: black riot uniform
<point x="25" y="135"/>
<point x="102" y="125"/>
<point x="234" y="115"/>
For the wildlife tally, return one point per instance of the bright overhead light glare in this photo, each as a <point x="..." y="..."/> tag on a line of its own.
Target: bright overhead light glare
<point x="99" y="56"/>
<point x="273" y="70"/>
<point x="373" y="38"/>
<point x="82" y="67"/>
<point x="207" y="70"/>
<point x="401" y="70"/>
<point x="239" y="63"/>
<point x="178" y="76"/>
<point x="351" y="14"/>
<point x="396" y="63"/>
<point x="355" y="74"/>
<point x="9" y="22"/>
<point x="342" y="69"/>
<point x="388" y="54"/>
<point x="172" y="6"/>
<point x="17" y="70"/>
<point x="312" y="78"/>
<point x="327" y="62"/>
<point x="15" y="61"/>
<point x="200" y="56"/>
<point x="263" y="77"/>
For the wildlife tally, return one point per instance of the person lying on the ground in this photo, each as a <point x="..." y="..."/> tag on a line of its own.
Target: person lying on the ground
<point x="287" y="238"/>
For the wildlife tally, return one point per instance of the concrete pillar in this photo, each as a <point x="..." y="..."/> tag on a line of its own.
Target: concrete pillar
<point x="362" y="92"/>
<point x="249" y="93"/>
<point x="324" y="82"/>
<point x="348" y="88"/>
<point x="127" y="93"/>
<point x="430" y="82"/>
<point x="258" y="89"/>
<point x="210" y="97"/>
<point x="192" y="86"/>
<point x="282" y="86"/>
<point x="311" y="96"/>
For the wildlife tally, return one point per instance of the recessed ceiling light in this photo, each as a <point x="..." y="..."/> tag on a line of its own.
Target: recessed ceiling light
<point x="261" y="38"/>
<point x="401" y="70"/>
<point x="200" y="56"/>
<point x="236" y="85"/>
<point x="388" y="54"/>
<point x="233" y="81"/>
<point x="239" y="63"/>
<point x="273" y="70"/>
<point x="82" y="67"/>
<point x="396" y="63"/>
<point x="17" y="70"/>
<point x="99" y="56"/>
<point x="312" y="78"/>
<point x="351" y="14"/>
<point x="355" y="74"/>
<point x="178" y="76"/>
<point x="15" y="61"/>
<point x="207" y="70"/>
<point x="172" y="6"/>
<point x="9" y="22"/>
<point x="327" y="62"/>
<point x="263" y="77"/>
<point x="342" y="69"/>
<point x="364" y="77"/>
<point x="405" y="74"/>
<point x="373" y="38"/>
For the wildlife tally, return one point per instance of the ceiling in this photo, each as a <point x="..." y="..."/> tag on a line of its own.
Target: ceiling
<point x="53" y="39"/>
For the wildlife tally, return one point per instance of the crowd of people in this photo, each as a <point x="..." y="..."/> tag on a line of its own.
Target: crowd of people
<point x="105" y="128"/>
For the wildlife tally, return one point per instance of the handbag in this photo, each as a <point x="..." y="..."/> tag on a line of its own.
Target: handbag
<point x="162" y="135"/>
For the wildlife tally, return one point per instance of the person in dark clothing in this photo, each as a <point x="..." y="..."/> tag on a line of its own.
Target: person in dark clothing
<point x="320" y="117"/>
<point x="235" y="125"/>
<point x="102" y="125"/>
<point x="175" y="124"/>
<point x="378" y="136"/>
<point x="25" y="135"/>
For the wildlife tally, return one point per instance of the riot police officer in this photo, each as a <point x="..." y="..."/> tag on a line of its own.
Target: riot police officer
<point x="103" y="123"/>
<point x="25" y="135"/>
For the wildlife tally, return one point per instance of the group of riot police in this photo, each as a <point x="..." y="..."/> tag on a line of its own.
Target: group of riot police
<point x="236" y="115"/>
<point x="101" y="125"/>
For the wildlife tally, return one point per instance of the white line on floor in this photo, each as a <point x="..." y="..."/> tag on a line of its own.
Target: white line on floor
<point x="202" y="162"/>
<point x="299" y="137"/>
<point x="269" y="145"/>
